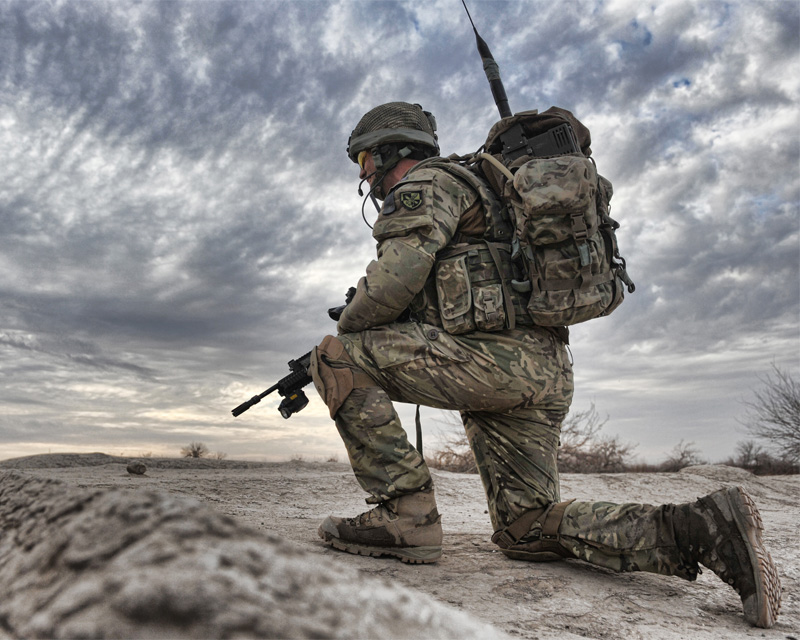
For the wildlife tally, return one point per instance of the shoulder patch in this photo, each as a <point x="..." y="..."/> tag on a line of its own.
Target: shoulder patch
<point x="411" y="199"/>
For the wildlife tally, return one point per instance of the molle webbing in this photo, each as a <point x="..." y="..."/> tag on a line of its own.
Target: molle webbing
<point x="498" y="221"/>
<point x="490" y="262"/>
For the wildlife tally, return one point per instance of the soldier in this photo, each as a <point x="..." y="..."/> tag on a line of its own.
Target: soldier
<point x="431" y="324"/>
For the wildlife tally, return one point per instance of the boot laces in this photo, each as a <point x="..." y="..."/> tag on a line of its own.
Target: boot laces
<point x="369" y="518"/>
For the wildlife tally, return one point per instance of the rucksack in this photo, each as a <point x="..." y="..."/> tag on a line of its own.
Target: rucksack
<point x="540" y="167"/>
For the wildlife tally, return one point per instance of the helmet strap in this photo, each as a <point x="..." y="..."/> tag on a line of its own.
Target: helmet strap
<point x="382" y="169"/>
<point x="383" y="166"/>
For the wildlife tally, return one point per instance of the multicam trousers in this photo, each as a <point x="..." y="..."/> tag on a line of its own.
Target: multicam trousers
<point x="513" y="390"/>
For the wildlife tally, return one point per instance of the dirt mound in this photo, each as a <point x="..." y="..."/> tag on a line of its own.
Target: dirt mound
<point x="145" y="564"/>
<point x="720" y="472"/>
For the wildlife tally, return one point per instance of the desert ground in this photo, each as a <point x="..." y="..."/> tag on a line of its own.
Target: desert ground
<point x="562" y="600"/>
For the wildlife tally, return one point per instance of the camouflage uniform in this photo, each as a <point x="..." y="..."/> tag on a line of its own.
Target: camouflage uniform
<point x="513" y="389"/>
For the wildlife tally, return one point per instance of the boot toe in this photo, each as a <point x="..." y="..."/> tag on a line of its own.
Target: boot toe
<point x="761" y="608"/>
<point x="756" y="576"/>
<point x="328" y="529"/>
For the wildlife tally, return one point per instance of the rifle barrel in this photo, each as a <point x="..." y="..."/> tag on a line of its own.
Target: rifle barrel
<point x="252" y="401"/>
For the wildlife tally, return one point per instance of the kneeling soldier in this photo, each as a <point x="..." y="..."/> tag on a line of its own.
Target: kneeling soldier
<point x="434" y="322"/>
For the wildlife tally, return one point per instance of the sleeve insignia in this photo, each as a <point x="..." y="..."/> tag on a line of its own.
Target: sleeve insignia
<point x="411" y="199"/>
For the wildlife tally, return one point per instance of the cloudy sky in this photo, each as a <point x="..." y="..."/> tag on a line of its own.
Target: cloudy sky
<point x="177" y="210"/>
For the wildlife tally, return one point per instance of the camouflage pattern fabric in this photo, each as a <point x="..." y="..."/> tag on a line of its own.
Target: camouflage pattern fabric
<point x="418" y="219"/>
<point x="513" y="389"/>
<point x="625" y="537"/>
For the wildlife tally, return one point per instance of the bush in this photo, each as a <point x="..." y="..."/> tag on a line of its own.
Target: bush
<point x="584" y="450"/>
<point x="685" y="454"/>
<point x="195" y="450"/>
<point x="753" y="457"/>
<point x="455" y="456"/>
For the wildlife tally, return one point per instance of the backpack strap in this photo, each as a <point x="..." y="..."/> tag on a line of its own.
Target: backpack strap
<point x="499" y="227"/>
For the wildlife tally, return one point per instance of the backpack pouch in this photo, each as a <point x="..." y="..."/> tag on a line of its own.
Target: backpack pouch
<point x="555" y="205"/>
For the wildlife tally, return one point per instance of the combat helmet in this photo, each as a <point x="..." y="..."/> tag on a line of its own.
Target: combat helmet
<point x="401" y="124"/>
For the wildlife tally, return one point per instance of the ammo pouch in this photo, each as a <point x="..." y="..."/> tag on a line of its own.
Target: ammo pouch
<point x="473" y="288"/>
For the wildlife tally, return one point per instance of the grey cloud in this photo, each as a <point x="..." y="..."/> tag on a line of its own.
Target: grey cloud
<point x="178" y="211"/>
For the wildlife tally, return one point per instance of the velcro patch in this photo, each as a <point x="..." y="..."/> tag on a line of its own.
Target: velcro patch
<point x="388" y="205"/>
<point x="411" y="199"/>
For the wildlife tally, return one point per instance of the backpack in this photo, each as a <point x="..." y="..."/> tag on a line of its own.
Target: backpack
<point x="539" y="165"/>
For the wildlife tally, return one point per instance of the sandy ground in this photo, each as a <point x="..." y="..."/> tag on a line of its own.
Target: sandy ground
<point x="554" y="600"/>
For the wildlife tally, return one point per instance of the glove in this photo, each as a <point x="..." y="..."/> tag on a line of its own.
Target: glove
<point x="336" y="312"/>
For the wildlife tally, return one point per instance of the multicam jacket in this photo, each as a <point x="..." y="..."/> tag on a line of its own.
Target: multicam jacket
<point x="434" y="259"/>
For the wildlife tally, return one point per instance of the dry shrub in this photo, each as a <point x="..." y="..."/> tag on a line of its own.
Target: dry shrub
<point x="684" y="454"/>
<point x="195" y="450"/>
<point x="753" y="457"/>
<point x="584" y="450"/>
<point x="455" y="455"/>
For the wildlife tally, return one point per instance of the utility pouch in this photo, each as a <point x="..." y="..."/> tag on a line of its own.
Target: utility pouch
<point x="455" y="294"/>
<point x="490" y="314"/>
<point x="570" y="267"/>
<point x="472" y="291"/>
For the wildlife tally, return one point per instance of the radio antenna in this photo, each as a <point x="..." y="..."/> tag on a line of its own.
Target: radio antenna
<point x="492" y="71"/>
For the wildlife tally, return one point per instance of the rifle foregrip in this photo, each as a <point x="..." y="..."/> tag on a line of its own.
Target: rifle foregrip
<point x="246" y="405"/>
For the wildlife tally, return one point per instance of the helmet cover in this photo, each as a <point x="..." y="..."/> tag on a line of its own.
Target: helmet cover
<point x="393" y="122"/>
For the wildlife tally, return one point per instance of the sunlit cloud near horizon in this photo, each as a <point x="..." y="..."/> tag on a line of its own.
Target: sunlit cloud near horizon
<point x="178" y="210"/>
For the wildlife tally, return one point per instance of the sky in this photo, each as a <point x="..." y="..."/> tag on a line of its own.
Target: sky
<point x="178" y="212"/>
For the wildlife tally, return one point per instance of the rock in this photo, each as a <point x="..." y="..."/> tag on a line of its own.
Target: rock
<point x="136" y="468"/>
<point x="145" y="564"/>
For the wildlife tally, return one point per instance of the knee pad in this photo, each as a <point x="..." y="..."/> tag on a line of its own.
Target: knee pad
<point x="334" y="373"/>
<point x="534" y="536"/>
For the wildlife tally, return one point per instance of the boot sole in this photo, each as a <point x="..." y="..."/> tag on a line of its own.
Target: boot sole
<point x="409" y="555"/>
<point x="761" y="610"/>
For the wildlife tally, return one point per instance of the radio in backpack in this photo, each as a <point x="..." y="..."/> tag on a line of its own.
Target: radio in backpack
<point x="564" y="240"/>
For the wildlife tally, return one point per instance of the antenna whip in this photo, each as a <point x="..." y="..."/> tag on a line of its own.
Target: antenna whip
<point x="492" y="71"/>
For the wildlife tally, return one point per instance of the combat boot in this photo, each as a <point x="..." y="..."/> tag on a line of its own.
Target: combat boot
<point x="408" y="527"/>
<point x="722" y="531"/>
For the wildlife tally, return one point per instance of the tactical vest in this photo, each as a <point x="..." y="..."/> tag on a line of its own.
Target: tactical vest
<point x="471" y="283"/>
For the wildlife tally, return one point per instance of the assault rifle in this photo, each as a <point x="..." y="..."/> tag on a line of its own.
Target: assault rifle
<point x="290" y="387"/>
